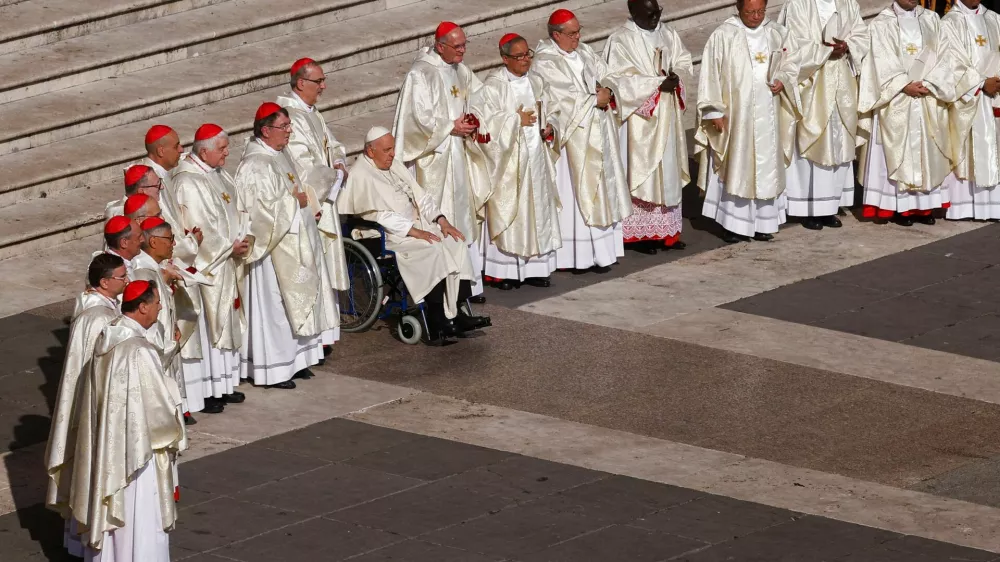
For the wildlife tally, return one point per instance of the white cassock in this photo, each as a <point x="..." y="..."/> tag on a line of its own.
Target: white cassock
<point x="908" y="155"/>
<point x="652" y="137"/>
<point x="434" y="94"/>
<point x="290" y="316"/>
<point x="398" y="203"/>
<point x="523" y="208"/>
<point x="589" y="173"/>
<point x="207" y="200"/>
<point x="92" y="312"/>
<point x="971" y="39"/>
<point x="314" y="152"/>
<point x="820" y="177"/>
<point x="743" y="168"/>
<point x="130" y="432"/>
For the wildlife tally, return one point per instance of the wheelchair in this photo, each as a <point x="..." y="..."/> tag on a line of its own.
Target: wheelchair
<point x="377" y="291"/>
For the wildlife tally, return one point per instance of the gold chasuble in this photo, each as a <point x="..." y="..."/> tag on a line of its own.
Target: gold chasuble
<point x="914" y="132"/>
<point x="827" y="87"/>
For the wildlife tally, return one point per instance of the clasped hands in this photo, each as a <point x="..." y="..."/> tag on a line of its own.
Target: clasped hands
<point x="446" y="229"/>
<point x="464" y="126"/>
<point x="840" y="48"/>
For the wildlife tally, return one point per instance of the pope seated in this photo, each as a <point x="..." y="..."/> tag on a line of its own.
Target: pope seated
<point x="431" y="253"/>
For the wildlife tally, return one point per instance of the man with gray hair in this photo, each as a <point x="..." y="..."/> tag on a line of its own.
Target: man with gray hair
<point x="139" y="179"/>
<point x="589" y="174"/>
<point x="206" y="197"/>
<point x="434" y="129"/>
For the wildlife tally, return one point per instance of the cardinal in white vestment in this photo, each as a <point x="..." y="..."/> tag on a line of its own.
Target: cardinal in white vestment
<point x="430" y="253"/>
<point x="290" y="315"/>
<point x="646" y="59"/>
<point x="907" y="151"/>
<point x="206" y="197"/>
<point x="831" y="40"/>
<point x="970" y="45"/>
<point x="321" y="161"/>
<point x="129" y="435"/>
<point x="140" y="179"/>
<point x="95" y="308"/>
<point x="433" y="130"/>
<point x="523" y="207"/>
<point x="123" y="238"/>
<point x="746" y="124"/>
<point x="163" y="154"/>
<point x="590" y="177"/>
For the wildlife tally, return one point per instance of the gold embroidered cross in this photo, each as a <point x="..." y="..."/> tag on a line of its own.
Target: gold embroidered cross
<point x="455" y="91"/>
<point x="225" y="196"/>
<point x="291" y="178"/>
<point x="761" y="58"/>
<point x="980" y="40"/>
<point x="911" y="49"/>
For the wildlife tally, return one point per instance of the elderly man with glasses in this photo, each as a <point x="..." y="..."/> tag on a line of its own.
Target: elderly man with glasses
<point x="434" y="132"/>
<point x="523" y="208"/>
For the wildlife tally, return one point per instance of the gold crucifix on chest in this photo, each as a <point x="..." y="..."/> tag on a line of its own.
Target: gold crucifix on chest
<point x="455" y="91"/>
<point x="980" y="40"/>
<point x="225" y="197"/>
<point x="761" y="58"/>
<point x="911" y="49"/>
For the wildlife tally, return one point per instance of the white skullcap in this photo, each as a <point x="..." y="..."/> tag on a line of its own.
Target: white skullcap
<point x="376" y="133"/>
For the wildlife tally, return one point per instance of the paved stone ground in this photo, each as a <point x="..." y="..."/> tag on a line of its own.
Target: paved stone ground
<point x="720" y="403"/>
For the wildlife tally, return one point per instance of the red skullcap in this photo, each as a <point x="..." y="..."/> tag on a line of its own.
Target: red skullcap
<point x="135" y="202"/>
<point x="444" y="28"/>
<point x="207" y="131"/>
<point x="134" y="290"/>
<point x="560" y="17"/>
<point x="152" y="222"/>
<point x="297" y="65"/>
<point x="508" y="38"/>
<point x="266" y="110"/>
<point x="157" y="132"/>
<point x="135" y="173"/>
<point x="116" y="224"/>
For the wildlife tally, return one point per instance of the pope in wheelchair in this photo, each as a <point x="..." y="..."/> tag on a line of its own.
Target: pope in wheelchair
<point x="430" y="253"/>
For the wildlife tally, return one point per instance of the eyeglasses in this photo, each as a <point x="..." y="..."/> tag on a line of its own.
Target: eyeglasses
<point x="171" y="237"/>
<point x="119" y="278"/>
<point x="459" y="47"/>
<point x="320" y="81"/>
<point x="571" y="34"/>
<point x="287" y="127"/>
<point x="530" y="54"/>
<point x="756" y="13"/>
<point x="157" y="186"/>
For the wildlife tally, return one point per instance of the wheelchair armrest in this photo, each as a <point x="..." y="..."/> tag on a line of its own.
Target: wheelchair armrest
<point x="352" y="222"/>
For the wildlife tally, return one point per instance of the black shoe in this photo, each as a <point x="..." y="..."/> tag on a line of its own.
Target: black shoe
<point x="928" y="220"/>
<point x="287" y="385"/>
<point x="538" y="281"/>
<point x="321" y="362"/>
<point x="466" y="323"/>
<point x="189" y="419"/>
<point x="831" y="221"/>
<point x="327" y="350"/>
<point x="812" y="223"/>
<point x="304" y="374"/>
<point x="678" y="245"/>
<point x="478" y="299"/>
<point x="732" y="238"/>
<point x="601" y="269"/>
<point x="213" y="406"/>
<point x="763" y="237"/>
<point x="504" y="285"/>
<point x="904" y="221"/>
<point x="236" y="397"/>
<point x="644" y="247"/>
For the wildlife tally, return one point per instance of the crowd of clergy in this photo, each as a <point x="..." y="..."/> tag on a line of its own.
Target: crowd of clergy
<point x="555" y="160"/>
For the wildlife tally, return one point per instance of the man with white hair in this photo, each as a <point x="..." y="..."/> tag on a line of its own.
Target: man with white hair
<point x="589" y="174"/>
<point x="430" y="252"/>
<point x="206" y="197"/>
<point x="321" y="161"/>
<point x="523" y="210"/>
<point x="432" y="129"/>
<point x="290" y="315"/>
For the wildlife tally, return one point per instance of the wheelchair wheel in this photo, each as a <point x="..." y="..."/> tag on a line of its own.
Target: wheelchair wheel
<point x="361" y="304"/>
<point x="410" y="329"/>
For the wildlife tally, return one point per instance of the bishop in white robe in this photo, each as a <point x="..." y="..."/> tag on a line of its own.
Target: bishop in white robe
<point x="290" y="316"/>
<point x="590" y="176"/>
<point x="830" y="40"/>
<point x="970" y="43"/>
<point x="123" y="238"/>
<point x="130" y="433"/>
<point x="646" y="61"/>
<point x="903" y="95"/>
<point x="206" y="197"/>
<point x="321" y="162"/>
<point x="430" y="253"/>
<point x="746" y="124"/>
<point x="94" y="309"/>
<point x="523" y="207"/>
<point x="433" y="129"/>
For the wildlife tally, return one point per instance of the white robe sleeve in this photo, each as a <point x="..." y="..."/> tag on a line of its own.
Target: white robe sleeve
<point x="393" y="223"/>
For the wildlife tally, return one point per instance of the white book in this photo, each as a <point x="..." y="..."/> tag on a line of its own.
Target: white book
<point x="833" y="30"/>
<point x="922" y="65"/>
<point x="777" y="59"/>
